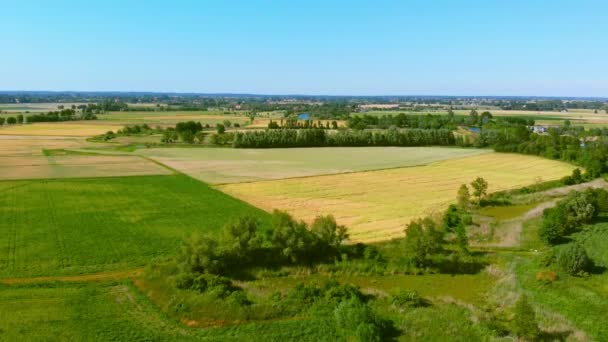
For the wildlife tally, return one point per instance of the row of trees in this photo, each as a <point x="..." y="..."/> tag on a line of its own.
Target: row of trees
<point x="319" y="137"/>
<point x="428" y="121"/>
<point x="55" y="116"/>
<point x="294" y="123"/>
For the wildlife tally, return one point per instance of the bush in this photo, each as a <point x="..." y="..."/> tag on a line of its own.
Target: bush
<point x="218" y="287"/>
<point x="405" y="298"/>
<point x="573" y="259"/>
<point x="356" y="321"/>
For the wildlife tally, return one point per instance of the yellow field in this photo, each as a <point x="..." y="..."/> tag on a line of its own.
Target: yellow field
<point x="60" y="129"/>
<point x="22" y="157"/>
<point x="75" y="166"/>
<point x="376" y="205"/>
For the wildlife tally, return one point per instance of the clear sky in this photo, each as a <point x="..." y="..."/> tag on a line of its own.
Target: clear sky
<point x="406" y="47"/>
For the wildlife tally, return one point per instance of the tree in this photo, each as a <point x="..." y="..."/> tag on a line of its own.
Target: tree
<point x="11" y="120"/>
<point x="240" y="239"/>
<point x="524" y="323"/>
<point x="227" y="123"/>
<point x="201" y="254"/>
<point x="422" y="239"/>
<point x="464" y="196"/>
<point x="330" y="234"/>
<point x="473" y="117"/>
<point x="20" y="118"/>
<point x="480" y="188"/>
<point x="169" y="135"/>
<point x="573" y="259"/>
<point x="291" y="238"/>
<point x="220" y="128"/>
<point x="485" y="117"/>
<point x="187" y="137"/>
<point x="1" y="121"/>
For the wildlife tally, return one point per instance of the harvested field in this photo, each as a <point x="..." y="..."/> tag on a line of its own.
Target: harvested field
<point x="73" y="129"/>
<point x="73" y="166"/>
<point x="227" y="165"/>
<point x="16" y="145"/>
<point x="171" y="118"/>
<point x="376" y="205"/>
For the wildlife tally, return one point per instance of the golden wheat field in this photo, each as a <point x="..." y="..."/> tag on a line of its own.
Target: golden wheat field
<point x="377" y="205"/>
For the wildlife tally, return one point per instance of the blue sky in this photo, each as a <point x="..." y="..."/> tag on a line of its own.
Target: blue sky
<point x="441" y="47"/>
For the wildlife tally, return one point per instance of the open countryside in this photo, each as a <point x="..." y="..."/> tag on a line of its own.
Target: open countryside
<point x="324" y="172"/>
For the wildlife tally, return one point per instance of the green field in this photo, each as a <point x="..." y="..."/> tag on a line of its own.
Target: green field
<point x="228" y="165"/>
<point x="581" y="300"/>
<point x="51" y="227"/>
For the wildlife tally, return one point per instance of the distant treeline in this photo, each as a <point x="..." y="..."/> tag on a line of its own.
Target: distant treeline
<point x="320" y="137"/>
<point x="430" y="121"/>
<point x="565" y="144"/>
<point x="63" y="115"/>
<point x="57" y="116"/>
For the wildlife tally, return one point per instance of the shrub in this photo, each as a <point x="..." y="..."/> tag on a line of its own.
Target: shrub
<point x="356" y="321"/>
<point x="405" y="298"/>
<point x="546" y="277"/>
<point x="573" y="259"/>
<point x="524" y="323"/>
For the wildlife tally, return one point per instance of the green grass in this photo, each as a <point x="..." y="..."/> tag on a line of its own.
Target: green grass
<point x="119" y="312"/>
<point x="58" y="227"/>
<point x="581" y="300"/>
<point x="505" y="213"/>
<point x="227" y="165"/>
<point x="445" y="322"/>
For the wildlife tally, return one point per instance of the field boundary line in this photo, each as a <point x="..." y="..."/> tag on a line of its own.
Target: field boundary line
<point x="92" y="277"/>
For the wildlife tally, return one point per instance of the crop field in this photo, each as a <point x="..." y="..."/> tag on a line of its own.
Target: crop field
<point x="172" y="117"/>
<point x="34" y="145"/>
<point x="60" y="227"/>
<point x="376" y="205"/>
<point x="69" y="129"/>
<point x="227" y="165"/>
<point x="77" y="166"/>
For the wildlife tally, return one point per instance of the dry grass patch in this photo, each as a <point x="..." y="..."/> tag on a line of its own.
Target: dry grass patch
<point x="376" y="205"/>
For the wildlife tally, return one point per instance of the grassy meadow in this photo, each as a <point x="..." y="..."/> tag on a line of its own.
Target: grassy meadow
<point x="55" y="227"/>
<point x="376" y="205"/>
<point x="228" y="165"/>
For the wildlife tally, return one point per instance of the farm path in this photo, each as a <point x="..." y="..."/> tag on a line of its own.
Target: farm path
<point x="514" y="227"/>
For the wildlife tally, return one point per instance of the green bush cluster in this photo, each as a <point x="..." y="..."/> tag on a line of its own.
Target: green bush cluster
<point x="243" y="243"/>
<point x="571" y="213"/>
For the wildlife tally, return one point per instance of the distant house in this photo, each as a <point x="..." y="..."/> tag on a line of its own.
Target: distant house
<point x="303" y="116"/>
<point x="539" y="129"/>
